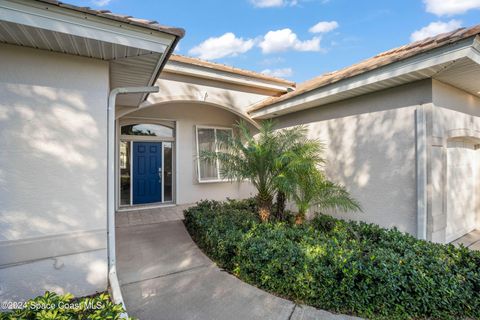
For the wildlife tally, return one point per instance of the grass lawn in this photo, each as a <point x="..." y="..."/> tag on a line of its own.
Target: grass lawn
<point x="346" y="267"/>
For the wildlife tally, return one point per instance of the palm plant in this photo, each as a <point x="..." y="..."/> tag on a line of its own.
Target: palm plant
<point x="296" y="153"/>
<point x="282" y="162"/>
<point x="307" y="186"/>
<point x="301" y="180"/>
<point x="246" y="157"/>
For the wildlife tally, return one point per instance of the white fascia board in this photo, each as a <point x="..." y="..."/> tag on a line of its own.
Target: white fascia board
<point x="474" y="54"/>
<point x="218" y="75"/>
<point x="83" y="25"/>
<point x="420" y="62"/>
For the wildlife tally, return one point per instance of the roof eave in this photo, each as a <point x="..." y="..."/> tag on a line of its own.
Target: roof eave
<point x="72" y="22"/>
<point x="205" y="72"/>
<point x="231" y="70"/>
<point x="425" y="62"/>
<point x="80" y="23"/>
<point x="161" y="65"/>
<point x="147" y="24"/>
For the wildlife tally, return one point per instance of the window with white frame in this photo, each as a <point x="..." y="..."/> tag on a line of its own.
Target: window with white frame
<point x="207" y="140"/>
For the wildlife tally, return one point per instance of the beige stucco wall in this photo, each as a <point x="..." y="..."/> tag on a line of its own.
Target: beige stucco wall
<point x="52" y="172"/>
<point x="455" y="114"/>
<point x="233" y="97"/>
<point x="370" y="148"/>
<point x="192" y="101"/>
<point x="188" y="115"/>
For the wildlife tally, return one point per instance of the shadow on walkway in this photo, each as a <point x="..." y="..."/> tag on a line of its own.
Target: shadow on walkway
<point x="164" y="275"/>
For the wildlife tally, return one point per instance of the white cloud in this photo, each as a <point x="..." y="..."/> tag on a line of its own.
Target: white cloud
<point x="267" y="3"/>
<point x="272" y="61"/>
<point x="435" y="28"/>
<point x="324" y="26"/>
<point x="279" y="73"/>
<point x="101" y="3"/>
<point x="273" y="3"/>
<point x="227" y="45"/>
<point x="450" y="7"/>
<point x="285" y="39"/>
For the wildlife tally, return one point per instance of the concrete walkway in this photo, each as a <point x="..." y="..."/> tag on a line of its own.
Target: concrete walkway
<point x="163" y="275"/>
<point x="470" y="240"/>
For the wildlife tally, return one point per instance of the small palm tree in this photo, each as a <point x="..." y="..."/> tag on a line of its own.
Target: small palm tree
<point x="282" y="162"/>
<point x="308" y="186"/>
<point x="245" y="157"/>
<point x="298" y="153"/>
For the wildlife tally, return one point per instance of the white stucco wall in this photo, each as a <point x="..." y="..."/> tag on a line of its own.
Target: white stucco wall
<point x="455" y="114"/>
<point x="370" y="143"/>
<point x="52" y="172"/>
<point x="187" y="116"/>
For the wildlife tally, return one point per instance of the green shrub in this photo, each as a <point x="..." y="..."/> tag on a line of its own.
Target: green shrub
<point x="342" y="266"/>
<point x="66" y="307"/>
<point x="218" y="227"/>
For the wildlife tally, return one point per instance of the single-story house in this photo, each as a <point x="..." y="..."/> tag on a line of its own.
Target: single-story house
<point x="85" y="137"/>
<point x="402" y="131"/>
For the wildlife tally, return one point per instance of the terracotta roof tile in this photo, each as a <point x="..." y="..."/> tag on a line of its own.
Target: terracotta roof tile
<point x="380" y="60"/>
<point x="226" y="68"/>
<point x="150" y="24"/>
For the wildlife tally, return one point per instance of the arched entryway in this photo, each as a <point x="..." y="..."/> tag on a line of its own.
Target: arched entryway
<point x="146" y="162"/>
<point x="174" y="131"/>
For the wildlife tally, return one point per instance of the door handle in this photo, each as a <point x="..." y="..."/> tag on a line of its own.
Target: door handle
<point x="160" y="171"/>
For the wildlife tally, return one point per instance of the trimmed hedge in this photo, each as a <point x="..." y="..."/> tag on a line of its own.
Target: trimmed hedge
<point x="346" y="267"/>
<point x="65" y="307"/>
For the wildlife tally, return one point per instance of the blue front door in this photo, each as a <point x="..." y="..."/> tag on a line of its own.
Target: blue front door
<point x="147" y="172"/>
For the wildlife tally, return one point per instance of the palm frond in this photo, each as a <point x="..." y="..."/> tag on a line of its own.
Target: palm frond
<point x="335" y="197"/>
<point x="283" y="160"/>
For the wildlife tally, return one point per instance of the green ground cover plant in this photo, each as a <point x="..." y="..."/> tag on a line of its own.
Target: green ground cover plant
<point x="52" y="306"/>
<point x="342" y="266"/>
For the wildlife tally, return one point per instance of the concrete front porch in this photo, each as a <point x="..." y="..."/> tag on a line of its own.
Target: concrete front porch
<point x="148" y="215"/>
<point x="164" y="275"/>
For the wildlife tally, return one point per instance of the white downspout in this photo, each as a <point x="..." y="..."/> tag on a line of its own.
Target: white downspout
<point x="112" y="269"/>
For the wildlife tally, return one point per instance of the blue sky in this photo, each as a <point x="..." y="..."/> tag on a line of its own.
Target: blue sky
<point x="297" y="39"/>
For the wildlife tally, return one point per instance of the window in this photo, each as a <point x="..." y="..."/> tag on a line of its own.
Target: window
<point x="207" y="140"/>
<point x="146" y="129"/>
<point x="124" y="154"/>
<point x="167" y="171"/>
<point x="125" y="172"/>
